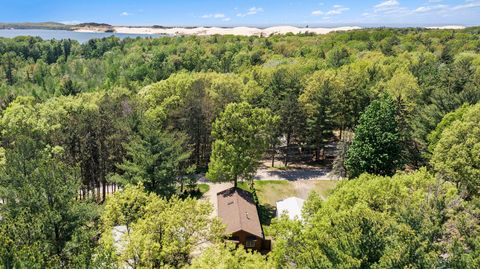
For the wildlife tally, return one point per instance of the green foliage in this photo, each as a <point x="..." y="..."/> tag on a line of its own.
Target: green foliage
<point x="126" y="207"/>
<point x="456" y="156"/>
<point x="91" y="128"/>
<point x="229" y="256"/>
<point x="156" y="159"/>
<point x="408" y="221"/>
<point x="77" y="117"/>
<point x="42" y="224"/>
<point x="338" y="57"/>
<point x="189" y="103"/>
<point x="446" y="122"/>
<point x="318" y="103"/>
<point x="163" y="232"/>
<point x="445" y="89"/>
<point x="242" y="135"/>
<point x="376" y="147"/>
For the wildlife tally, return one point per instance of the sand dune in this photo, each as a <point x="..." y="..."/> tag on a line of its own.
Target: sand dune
<point x="242" y="31"/>
<point x="448" y="27"/>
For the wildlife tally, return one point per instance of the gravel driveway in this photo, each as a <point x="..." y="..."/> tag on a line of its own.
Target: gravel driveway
<point x="211" y="194"/>
<point x="294" y="174"/>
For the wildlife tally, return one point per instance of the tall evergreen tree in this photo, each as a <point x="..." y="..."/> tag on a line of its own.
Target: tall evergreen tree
<point x="157" y="160"/>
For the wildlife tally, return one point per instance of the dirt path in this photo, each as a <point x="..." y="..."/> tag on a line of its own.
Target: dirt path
<point x="310" y="173"/>
<point x="211" y="194"/>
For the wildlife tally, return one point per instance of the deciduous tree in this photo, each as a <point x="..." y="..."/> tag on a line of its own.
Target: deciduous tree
<point x="241" y="138"/>
<point x="456" y="156"/>
<point x="376" y="147"/>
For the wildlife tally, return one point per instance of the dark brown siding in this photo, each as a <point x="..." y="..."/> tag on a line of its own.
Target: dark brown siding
<point x="242" y="238"/>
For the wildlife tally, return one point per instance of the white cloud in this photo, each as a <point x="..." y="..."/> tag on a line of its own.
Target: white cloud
<point x="467" y="4"/>
<point x="125" y="14"/>
<point x="250" y="11"/>
<point x="387" y="4"/>
<point x="335" y="10"/>
<point x="390" y="7"/>
<point x="217" y="16"/>
<point x="393" y="8"/>
<point x="426" y="9"/>
<point x="214" y="16"/>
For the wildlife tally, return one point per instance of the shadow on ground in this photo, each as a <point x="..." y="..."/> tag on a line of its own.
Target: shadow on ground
<point x="292" y="175"/>
<point x="266" y="213"/>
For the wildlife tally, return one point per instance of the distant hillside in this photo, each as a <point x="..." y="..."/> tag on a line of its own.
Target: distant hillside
<point x="92" y="24"/>
<point x="36" y="25"/>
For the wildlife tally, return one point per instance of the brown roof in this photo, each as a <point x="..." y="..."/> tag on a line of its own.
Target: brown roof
<point x="238" y="211"/>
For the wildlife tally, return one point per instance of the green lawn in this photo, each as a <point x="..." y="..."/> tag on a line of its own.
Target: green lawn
<point x="203" y="188"/>
<point x="271" y="191"/>
<point x="196" y="191"/>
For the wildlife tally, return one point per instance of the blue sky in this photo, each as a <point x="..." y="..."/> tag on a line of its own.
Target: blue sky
<point x="246" y="12"/>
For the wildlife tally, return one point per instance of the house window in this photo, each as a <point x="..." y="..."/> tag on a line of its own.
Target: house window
<point x="250" y="243"/>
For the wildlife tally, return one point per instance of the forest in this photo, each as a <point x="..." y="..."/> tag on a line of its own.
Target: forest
<point x="115" y="132"/>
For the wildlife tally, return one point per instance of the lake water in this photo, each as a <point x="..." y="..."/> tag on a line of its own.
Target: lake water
<point x="63" y="34"/>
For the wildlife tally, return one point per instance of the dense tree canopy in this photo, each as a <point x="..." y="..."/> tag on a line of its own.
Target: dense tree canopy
<point x="161" y="233"/>
<point x="229" y="256"/>
<point x="456" y="156"/>
<point x="409" y="220"/>
<point x="80" y="121"/>
<point x="41" y="224"/>
<point x="241" y="138"/>
<point x="376" y="148"/>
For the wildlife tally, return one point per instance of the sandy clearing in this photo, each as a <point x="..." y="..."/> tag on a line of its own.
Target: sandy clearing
<point x="447" y="27"/>
<point x="242" y="31"/>
<point x="295" y="174"/>
<point x="211" y="194"/>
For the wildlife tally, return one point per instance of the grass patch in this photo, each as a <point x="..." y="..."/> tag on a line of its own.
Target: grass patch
<point x="269" y="192"/>
<point x="244" y="186"/>
<point x="195" y="191"/>
<point x="324" y="187"/>
<point x="272" y="191"/>
<point x="203" y="188"/>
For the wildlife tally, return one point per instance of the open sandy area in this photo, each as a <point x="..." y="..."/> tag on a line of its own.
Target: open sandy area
<point x="241" y="31"/>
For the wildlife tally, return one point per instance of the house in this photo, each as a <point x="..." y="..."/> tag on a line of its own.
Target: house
<point x="238" y="211"/>
<point x="291" y="206"/>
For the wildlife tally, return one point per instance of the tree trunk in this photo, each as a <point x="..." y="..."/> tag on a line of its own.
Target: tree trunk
<point x="287" y="150"/>
<point x="197" y="142"/>
<point x="99" y="194"/>
<point x="104" y="190"/>
<point x="273" y="158"/>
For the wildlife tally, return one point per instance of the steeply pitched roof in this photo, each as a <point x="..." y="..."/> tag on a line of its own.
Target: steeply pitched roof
<point x="292" y="206"/>
<point x="238" y="211"/>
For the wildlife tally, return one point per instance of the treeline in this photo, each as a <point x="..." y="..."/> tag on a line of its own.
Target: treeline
<point x="153" y="113"/>
<point x="430" y="72"/>
<point x="36" y="25"/>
